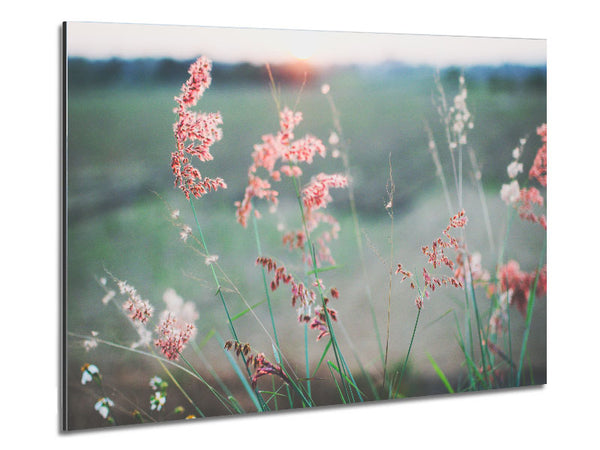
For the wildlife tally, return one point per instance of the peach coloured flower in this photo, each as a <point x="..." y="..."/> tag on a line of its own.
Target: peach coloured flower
<point x="528" y="198"/>
<point x="316" y="194"/>
<point x="436" y="256"/>
<point x="539" y="169"/>
<point x="518" y="284"/>
<point x="138" y="308"/>
<point x="302" y="296"/>
<point x="195" y="133"/>
<point x="173" y="336"/>
<point x="184" y="312"/>
<point x="257" y="362"/>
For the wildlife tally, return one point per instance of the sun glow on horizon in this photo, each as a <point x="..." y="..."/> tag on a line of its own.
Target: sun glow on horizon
<point x="303" y="46"/>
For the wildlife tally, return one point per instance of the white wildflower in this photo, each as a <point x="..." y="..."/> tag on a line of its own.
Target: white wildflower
<point x="324" y="89"/>
<point x="510" y="192"/>
<point x="155" y="382"/>
<point x="514" y="168"/>
<point x="103" y="406"/>
<point x="158" y="400"/>
<point x="516" y="153"/>
<point x="89" y="344"/>
<point x="87" y="373"/>
<point x="334" y="139"/>
<point x="108" y="297"/>
<point x="211" y="259"/>
<point x="185" y="232"/>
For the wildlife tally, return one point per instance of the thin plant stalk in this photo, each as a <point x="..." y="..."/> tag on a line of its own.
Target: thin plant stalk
<point x="357" y="234"/>
<point x="390" y="210"/>
<point x="187" y="397"/>
<point x="366" y="374"/>
<point x="219" y="396"/>
<point x="336" y="349"/>
<point x="530" y="305"/>
<point x="412" y="338"/>
<point x="264" y="278"/>
<point x="482" y="199"/>
<point x="306" y="359"/>
<point x="220" y="293"/>
<point x="212" y="371"/>
<point x="484" y="354"/>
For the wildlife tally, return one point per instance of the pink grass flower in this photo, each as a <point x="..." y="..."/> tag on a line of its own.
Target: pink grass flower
<point x="257" y="362"/>
<point x="173" y="336"/>
<point x="183" y="312"/>
<point x="195" y="133"/>
<point x="281" y="155"/>
<point x="528" y="198"/>
<point x="302" y="296"/>
<point x="138" y="308"/>
<point x="539" y="169"/>
<point x="518" y="284"/>
<point x="437" y="257"/>
<point x="280" y="148"/>
<point x="316" y="194"/>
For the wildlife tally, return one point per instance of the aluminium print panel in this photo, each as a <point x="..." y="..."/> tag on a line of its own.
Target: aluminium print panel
<point x="257" y="220"/>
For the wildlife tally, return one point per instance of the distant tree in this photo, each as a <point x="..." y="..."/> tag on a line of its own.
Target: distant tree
<point x="170" y="70"/>
<point x="110" y="71"/>
<point x="536" y="80"/>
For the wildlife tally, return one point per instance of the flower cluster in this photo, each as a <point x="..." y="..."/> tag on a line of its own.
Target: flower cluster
<point x="457" y="117"/>
<point x="91" y="342"/>
<point x="436" y="256"/>
<point x="159" y="396"/>
<point x="303" y="296"/>
<point x="468" y="267"/>
<point x="539" y="168"/>
<point x="195" y="133"/>
<point x="517" y="284"/>
<point x="316" y="194"/>
<point x="280" y="155"/>
<point x="139" y="309"/>
<point x="525" y="199"/>
<point x="257" y="361"/>
<point x="274" y="148"/>
<point x="185" y="312"/>
<point x="173" y="336"/>
<point x="103" y="406"/>
<point x="88" y="372"/>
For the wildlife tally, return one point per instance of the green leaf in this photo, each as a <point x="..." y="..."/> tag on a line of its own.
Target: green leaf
<point x="207" y="338"/>
<point x="336" y="384"/>
<point x="247" y="310"/>
<point x="334" y="367"/>
<point x="324" y="269"/>
<point x="440" y="373"/>
<point x="322" y="357"/>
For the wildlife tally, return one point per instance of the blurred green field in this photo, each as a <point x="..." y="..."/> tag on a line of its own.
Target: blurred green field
<point x="119" y="184"/>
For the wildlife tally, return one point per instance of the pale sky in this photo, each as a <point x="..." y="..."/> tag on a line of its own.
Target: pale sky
<point x="105" y="40"/>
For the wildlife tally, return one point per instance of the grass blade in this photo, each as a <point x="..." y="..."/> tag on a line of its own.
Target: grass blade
<point x="440" y="374"/>
<point x="247" y="310"/>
